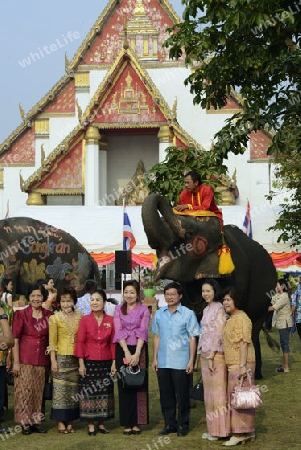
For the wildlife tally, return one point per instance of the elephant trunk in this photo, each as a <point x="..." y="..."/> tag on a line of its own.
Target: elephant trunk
<point x="160" y="236"/>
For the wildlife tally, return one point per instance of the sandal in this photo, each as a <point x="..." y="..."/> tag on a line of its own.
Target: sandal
<point x="61" y="430"/>
<point x="70" y="428"/>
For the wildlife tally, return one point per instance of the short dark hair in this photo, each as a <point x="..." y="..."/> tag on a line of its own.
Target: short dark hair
<point x="195" y="176"/>
<point x="102" y="293"/>
<point x="283" y="283"/>
<point x="4" y="283"/>
<point x="214" y="284"/>
<point x="174" y="285"/>
<point x="67" y="291"/>
<point x="36" y="287"/>
<point x="237" y="296"/>
<point x="90" y="286"/>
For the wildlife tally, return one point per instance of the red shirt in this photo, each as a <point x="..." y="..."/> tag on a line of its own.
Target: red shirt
<point x="203" y="200"/>
<point x="95" y="342"/>
<point x="33" y="336"/>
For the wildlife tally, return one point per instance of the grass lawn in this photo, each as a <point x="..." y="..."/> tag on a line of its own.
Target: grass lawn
<point x="277" y="422"/>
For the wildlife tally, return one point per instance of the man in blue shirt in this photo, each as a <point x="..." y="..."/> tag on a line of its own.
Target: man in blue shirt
<point x="175" y="328"/>
<point x="83" y="303"/>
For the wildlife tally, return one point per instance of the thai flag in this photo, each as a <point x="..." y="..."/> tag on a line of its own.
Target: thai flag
<point x="129" y="240"/>
<point x="7" y="210"/>
<point x="247" y="225"/>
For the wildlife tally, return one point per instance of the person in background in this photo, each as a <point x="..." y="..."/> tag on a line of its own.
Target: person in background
<point x="31" y="364"/>
<point x="175" y="328"/>
<point x="214" y="370"/>
<point x="6" y="342"/>
<point x="50" y="303"/>
<point x="83" y="303"/>
<point x="282" y="320"/>
<point x="6" y="336"/>
<point x="296" y="307"/>
<point x="131" y="320"/>
<point x="63" y="326"/>
<point x="239" y="357"/>
<point x="286" y="278"/>
<point x="96" y="352"/>
<point x="7" y="286"/>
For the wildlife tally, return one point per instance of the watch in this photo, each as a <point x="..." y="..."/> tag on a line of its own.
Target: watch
<point x="4" y="316"/>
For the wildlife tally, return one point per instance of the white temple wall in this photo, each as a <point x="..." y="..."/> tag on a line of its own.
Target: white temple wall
<point x="12" y="191"/>
<point x="59" y="128"/>
<point x="96" y="77"/>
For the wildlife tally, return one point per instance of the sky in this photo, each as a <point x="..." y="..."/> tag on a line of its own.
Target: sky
<point x="27" y="27"/>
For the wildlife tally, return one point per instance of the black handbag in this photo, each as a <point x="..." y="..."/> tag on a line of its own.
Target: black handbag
<point x="133" y="377"/>
<point x="198" y="391"/>
<point x="48" y="389"/>
<point x="10" y="378"/>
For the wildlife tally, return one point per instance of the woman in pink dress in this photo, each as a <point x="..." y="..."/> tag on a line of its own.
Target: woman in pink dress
<point x="214" y="370"/>
<point x="131" y="321"/>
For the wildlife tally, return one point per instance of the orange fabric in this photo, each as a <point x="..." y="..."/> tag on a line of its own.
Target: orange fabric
<point x="143" y="259"/>
<point x="286" y="259"/>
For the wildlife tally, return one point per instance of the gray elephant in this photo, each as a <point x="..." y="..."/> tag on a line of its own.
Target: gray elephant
<point x="187" y="248"/>
<point x="31" y="250"/>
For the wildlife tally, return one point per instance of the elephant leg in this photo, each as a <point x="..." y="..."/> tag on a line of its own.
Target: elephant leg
<point x="208" y="267"/>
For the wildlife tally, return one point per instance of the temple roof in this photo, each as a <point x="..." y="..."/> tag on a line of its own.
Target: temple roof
<point x="107" y="31"/>
<point x="126" y="88"/>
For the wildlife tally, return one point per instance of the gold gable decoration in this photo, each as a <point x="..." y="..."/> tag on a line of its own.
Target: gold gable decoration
<point x="41" y="127"/>
<point x="82" y="81"/>
<point x="141" y="34"/>
<point x="135" y="192"/>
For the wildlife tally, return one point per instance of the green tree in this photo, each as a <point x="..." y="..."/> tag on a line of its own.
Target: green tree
<point x="167" y="177"/>
<point x="252" y="47"/>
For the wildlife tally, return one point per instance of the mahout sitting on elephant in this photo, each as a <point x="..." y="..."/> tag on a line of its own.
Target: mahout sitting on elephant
<point x="191" y="245"/>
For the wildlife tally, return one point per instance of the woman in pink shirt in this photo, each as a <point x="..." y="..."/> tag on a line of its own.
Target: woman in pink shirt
<point x="214" y="370"/>
<point x="131" y="320"/>
<point x="96" y="352"/>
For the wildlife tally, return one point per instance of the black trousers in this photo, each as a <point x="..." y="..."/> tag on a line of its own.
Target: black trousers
<point x="2" y="391"/>
<point x="298" y="326"/>
<point x="174" y="391"/>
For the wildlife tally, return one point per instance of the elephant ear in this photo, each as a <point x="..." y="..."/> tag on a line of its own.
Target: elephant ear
<point x="208" y="267"/>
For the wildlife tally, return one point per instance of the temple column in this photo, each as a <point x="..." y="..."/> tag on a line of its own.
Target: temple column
<point x="92" y="167"/>
<point x="165" y="137"/>
<point x="103" y="170"/>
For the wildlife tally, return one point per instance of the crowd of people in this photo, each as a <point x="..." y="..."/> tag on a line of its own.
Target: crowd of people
<point x="82" y="348"/>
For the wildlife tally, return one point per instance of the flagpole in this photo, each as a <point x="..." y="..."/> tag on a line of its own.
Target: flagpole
<point x="123" y="206"/>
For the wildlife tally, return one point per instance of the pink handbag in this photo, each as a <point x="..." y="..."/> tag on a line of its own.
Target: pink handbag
<point x="246" y="397"/>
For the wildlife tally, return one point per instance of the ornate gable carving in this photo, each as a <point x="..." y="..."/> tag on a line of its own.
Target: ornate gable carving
<point x="129" y="101"/>
<point x="65" y="101"/>
<point x="259" y="144"/>
<point x="145" y="22"/>
<point x="66" y="173"/>
<point x="22" y="152"/>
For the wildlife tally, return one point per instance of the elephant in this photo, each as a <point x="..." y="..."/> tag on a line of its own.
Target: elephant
<point x="31" y="250"/>
<point x="189" y="246"/>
